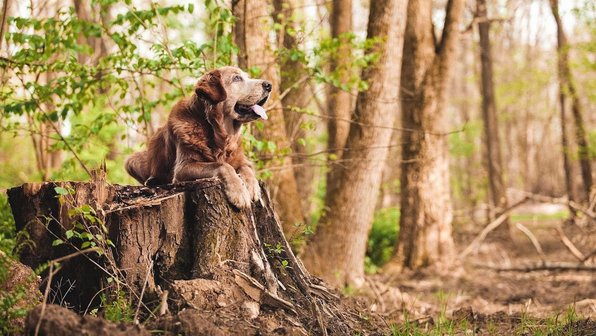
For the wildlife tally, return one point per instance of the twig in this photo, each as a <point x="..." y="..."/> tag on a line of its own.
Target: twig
<point x="149" y="268"/>
<point x="569" y="245"/>
<point x="49" y="282"/>
<point x="490" y="227"/>
<point x="588" y="256"/>
<point x="533" y="239"/>
<point x="163" y="306"/>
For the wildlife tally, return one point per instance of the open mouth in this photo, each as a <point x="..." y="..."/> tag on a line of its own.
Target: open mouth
<point x="252" y="111"/>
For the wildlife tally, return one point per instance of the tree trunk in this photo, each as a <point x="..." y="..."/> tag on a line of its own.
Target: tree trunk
<point x="221" y="264"/>
<point x="426" y="210"/>
<point x="294" y="81"/>
<point x="251" y="34"/>
<point x="339" y="101"/>
<point x="567" y="90"/>
<point x="3" y="18"/>
<point x="337" y="250"/>
<point x="494" y="162"/>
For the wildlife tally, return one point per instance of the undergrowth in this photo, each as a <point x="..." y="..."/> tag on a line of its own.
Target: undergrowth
<point x="560" y="324"/>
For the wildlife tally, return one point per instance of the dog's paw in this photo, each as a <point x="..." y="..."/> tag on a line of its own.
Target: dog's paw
<point x="253" y="187"/>
<point x="237" y="194"/>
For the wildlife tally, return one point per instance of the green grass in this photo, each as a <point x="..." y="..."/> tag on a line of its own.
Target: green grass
<point x="556" y="325"/>
<point x="560" y="215"/>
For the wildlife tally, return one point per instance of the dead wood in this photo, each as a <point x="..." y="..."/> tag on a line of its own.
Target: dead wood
<point x="570" y="246"/>
<point x="533" y="240"/>
<point x="490" y="227"/>
<point x="179" y="247"/>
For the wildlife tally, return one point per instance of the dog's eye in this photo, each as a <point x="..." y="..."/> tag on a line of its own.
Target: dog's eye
<point x="237" y="78"/>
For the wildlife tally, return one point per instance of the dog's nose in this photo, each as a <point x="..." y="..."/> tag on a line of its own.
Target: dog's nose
<point x="267" y="86"/>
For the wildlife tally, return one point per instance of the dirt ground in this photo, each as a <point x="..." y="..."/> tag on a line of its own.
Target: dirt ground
<point x="499" y="302"/>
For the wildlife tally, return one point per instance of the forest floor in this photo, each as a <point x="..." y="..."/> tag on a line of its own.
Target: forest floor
<point x="477" y="300"/>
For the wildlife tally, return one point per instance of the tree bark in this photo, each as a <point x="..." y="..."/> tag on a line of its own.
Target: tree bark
<point x="494" y="162"/>
<point x="294" y="81"/>
<point x="3" y="21"/>
<point x="251" y="34"/>
<point x="218" y="262"/>
<point x="426" y="211"/>
<point x="567" y="90"/>
<point x="337" y="250"/>
<point x="339" y="101"/>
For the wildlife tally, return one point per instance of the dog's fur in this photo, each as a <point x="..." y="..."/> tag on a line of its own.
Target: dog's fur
<point x="202" y="137"/>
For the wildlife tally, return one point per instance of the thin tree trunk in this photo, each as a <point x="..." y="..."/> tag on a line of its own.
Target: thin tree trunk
<point x="339" y="101"/>
<point x="337" y="250"/>
<point x="494" y="162"/>
<point x="426" y="210"/>
<point x="252" y="37"/>
<point x="3" y="21"/>
<point x="567" y="90"/>
<point x="294" y="80"/>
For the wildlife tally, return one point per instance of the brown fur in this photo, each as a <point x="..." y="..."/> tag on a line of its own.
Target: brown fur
<point x="202" y="137"/>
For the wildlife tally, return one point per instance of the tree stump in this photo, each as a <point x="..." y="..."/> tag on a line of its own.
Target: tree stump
<point x="183" y="254"/>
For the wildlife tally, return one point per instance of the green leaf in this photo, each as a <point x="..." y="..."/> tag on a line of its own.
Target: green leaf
<point x="61" y="191"/>
<point x="57" y="242"/>
<point x="69" y="234"/>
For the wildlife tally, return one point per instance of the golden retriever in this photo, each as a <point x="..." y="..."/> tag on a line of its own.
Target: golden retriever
<point x="202" y="136"/>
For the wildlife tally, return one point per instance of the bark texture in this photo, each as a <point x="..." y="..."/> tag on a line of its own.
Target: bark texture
<point x="567" y="89"/>
<point x="494" y="162"/>
<point x="337" y="250"/>
<point x="339" y="102"/>
<point x="251" y="34"/>
<point x="294" y="82"/>
<point x="178" y="248"/>
<point x="426" y="209"/>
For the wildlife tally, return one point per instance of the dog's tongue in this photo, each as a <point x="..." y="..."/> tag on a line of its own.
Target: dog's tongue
<point x="260" y="111"/>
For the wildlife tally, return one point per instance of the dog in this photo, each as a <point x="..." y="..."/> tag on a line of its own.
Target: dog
<point x="202" y="136"/>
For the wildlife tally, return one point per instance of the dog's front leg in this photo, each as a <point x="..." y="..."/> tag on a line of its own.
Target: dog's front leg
<point x="248" y="176"/>
<point x="235" y="190"/>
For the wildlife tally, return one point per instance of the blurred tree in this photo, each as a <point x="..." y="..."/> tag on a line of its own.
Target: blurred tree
<point x="336" y="251"/>
<point x="567" y="90"/>
<point x="3" y="21"/>
<point x="257" y="55"/>
<point x="339" y="100"/>
<point x="295" y="78"/>
<point x="426" y="210"/>
<point x="493" y="160"/>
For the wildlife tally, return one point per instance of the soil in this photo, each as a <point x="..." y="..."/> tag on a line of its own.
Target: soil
<point x="500" y="302"/>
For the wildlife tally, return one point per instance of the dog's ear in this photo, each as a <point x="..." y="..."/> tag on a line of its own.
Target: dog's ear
<point x="210" y="87"/>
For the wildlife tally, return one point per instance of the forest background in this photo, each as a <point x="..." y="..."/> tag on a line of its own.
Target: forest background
<point x="390" y="141"/>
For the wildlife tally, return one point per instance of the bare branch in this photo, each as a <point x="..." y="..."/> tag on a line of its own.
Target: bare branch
<point x="533" y="239"/>
<point x="490" y="227"/>
<point x="570" y="246"/>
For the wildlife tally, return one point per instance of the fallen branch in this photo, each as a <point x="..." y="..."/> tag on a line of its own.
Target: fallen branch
<point x="541" y="266"/>
<point x="588" y="256"/>
<point x="569" y="245"/>
<point x="533" y="239"/>
<point x="490" y="227"/>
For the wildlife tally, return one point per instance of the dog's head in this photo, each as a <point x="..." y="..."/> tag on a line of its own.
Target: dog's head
<point x="234" y="93"/>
